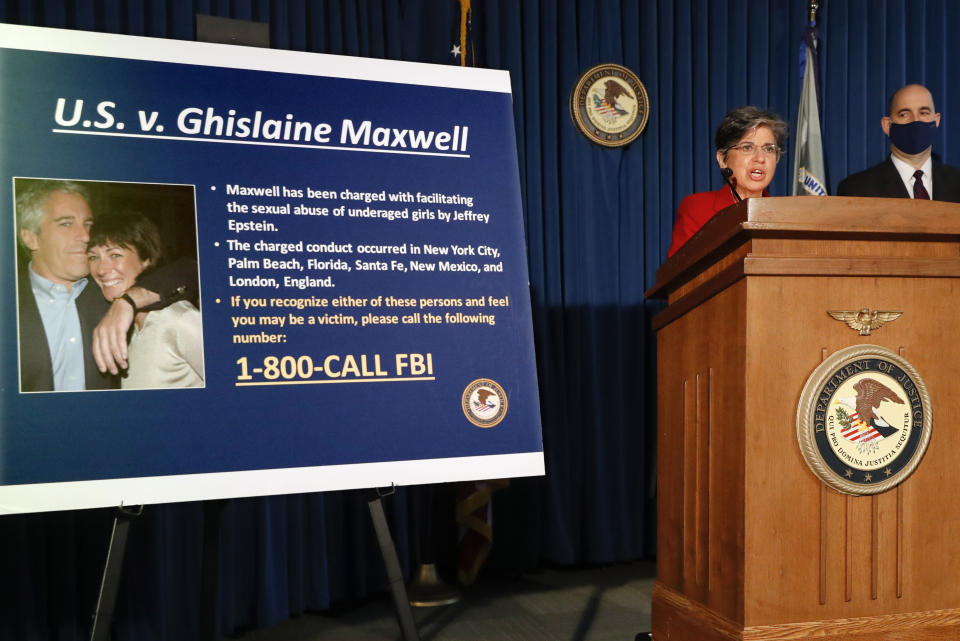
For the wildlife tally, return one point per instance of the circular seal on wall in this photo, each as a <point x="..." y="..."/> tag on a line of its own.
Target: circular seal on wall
<point x="484" y="402"/>
<point x="864" y="420"/>
<point x="609" y="105"/>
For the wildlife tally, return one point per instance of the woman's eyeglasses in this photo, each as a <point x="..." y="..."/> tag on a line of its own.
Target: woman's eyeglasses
<point x="748" y="148"/>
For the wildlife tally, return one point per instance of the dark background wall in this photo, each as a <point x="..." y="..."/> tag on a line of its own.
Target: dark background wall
<point x="598" y="224"/>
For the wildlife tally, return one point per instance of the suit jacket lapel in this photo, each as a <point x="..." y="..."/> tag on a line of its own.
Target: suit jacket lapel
<point x="892" y="183"/>
<point x="36" y="369"/>
<point x="943" y="187"/>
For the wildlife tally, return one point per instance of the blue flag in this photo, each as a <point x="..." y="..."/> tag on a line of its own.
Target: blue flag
<point x="809" y="175"/>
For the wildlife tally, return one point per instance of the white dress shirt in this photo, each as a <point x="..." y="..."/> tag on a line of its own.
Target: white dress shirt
<point x="906" y="172"/>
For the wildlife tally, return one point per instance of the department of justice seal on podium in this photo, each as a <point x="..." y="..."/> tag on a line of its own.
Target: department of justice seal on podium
<point x="864" y="420"/>
<point x="609" y="105"/>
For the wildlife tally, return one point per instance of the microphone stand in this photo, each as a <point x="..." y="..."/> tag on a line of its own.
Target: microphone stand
<point x="727" y="174"/>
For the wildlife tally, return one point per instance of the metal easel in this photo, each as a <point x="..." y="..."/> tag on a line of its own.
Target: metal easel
<point x="388" y="550"/>
<point x="112" y="569"/>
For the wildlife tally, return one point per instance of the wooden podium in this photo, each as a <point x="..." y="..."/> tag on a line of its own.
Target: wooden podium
<point x="750" y="543"/>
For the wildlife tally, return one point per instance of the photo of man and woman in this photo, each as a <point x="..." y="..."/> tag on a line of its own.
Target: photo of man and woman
<point x="107" y="286"/>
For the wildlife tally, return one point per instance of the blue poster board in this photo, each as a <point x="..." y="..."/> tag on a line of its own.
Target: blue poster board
<point x="358" y="231"/>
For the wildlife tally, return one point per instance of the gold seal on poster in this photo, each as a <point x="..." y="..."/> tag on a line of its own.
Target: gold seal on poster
<point x="864" y="420"/>
<point x="609" y="105"/>
<point x="484" y="402"/>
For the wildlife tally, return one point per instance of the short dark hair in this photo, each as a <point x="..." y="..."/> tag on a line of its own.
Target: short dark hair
<point x="739" y="121"/>
<point x="128" y="229"/>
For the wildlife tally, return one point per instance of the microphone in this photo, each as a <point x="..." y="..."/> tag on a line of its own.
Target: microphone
<point x="731" y="182"/>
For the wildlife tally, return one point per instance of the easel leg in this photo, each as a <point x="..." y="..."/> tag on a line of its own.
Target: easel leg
<point x="112" y="569"/>
<point x="401" y="604"/>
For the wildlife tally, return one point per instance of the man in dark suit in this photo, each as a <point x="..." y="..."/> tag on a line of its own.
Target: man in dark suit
<point x="59" y="308"/>
<point x="910" y="171"/>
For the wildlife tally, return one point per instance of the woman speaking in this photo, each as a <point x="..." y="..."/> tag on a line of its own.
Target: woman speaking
<point x="749" y="143"/>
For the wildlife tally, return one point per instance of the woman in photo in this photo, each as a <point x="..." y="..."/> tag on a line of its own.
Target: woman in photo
<point x="166" y="345"/>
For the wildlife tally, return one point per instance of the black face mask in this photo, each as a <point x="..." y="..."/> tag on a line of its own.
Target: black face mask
<point x="913" y="137"/>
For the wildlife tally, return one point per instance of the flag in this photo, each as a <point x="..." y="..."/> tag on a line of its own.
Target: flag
<point x="474" y="508"/>
<point x="474" y="514"/>
<point x="857" y="430"/>
<point x="462" y="50"/>
<point x="809" y="176"/>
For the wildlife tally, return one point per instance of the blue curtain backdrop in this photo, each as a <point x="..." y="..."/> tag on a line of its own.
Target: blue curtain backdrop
<point x="598" y="224"/>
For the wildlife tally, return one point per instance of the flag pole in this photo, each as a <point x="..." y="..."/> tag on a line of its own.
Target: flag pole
<point x="809" y="174"/>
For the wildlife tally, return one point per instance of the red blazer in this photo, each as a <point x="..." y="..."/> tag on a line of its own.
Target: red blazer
<point x="695" y="210"/>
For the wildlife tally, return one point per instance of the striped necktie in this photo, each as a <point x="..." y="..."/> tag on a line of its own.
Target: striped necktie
<point x="919" y="191"/>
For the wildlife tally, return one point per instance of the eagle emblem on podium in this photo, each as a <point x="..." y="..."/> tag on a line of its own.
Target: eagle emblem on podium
<point x="864" y="320"/>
